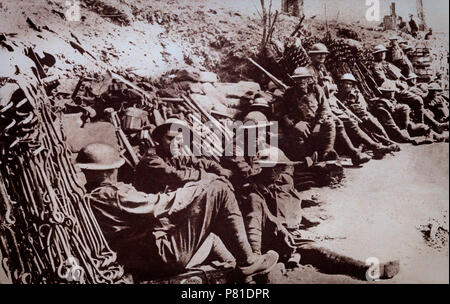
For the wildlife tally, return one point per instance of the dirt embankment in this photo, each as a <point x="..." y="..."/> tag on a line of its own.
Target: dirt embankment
<point x="151" y="39"/>
<point x="142" y="39"/>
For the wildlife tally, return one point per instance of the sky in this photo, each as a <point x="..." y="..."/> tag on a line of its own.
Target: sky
<point x="436" y="11"/>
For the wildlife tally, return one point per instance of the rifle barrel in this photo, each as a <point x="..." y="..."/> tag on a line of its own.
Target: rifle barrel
<point x="278" y="82"/>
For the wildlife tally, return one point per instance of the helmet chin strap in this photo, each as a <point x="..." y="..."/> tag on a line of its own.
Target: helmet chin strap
<point x="97" y="177"/>
<point x="271" y="174"/>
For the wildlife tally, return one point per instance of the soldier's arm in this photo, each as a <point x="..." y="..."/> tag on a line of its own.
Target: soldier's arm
<point x="135" y="202"/>
<point x="361" y="106"/>
<point x="126" y="198"/>
<point x="324" y="110"/>
<point x="166" y="173"/>
<point x="213" y="167"/>
<point x="378" y="74"/>
<point x="286" y="116"/>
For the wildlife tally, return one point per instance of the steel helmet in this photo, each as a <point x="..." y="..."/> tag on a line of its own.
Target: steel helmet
<point x="256" y="119"/>
<point x="301" y="72"/>
<point x="260" y="102"/>
<point x="158" y="131"/>
<point x="434" y="87"/>
<point x="379" y="48"/>
<point x="348" y="76"/>
<point x="272" y="156"/>
<point x="411" y="76"/>
<point x="319" y="48"/>
<point x="388" y="86"/>
<point x="99" y="156"/>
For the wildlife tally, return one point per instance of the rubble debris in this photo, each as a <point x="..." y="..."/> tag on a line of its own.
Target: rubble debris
<point x="58" y="13"/>
<point x="33" y="25"/>
<point x="80" y="49"/>
<point x="105" y="10"/>
<point x="193" y="74"/>
<point x="435" y="233"/>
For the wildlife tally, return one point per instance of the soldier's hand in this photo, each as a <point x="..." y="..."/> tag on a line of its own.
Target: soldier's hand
<point x="303" y="128"/>
<point x="402" y="85"/>
<point x="225" y="173"/>
<point x="316" y="129"/>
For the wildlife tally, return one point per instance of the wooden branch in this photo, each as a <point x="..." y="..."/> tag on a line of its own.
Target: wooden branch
<point x="259" y="14"/>
<point x="264" y="21"/>
<point x="270" y="15"/>
<point x="272" y="28"/>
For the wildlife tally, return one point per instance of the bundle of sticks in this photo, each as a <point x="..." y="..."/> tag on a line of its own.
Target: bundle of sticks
<point x="48" y="233"/>
<point x="346" y="57"/>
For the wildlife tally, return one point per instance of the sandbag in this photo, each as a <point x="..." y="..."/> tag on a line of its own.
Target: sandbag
<point x="78" y="137"/>
<point x="238" y="90"/>
<point x="6" y="92"/>
<point x="193" y="74"/>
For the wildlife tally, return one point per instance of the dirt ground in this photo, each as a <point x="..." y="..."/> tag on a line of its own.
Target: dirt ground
<point x="385" y="210"/>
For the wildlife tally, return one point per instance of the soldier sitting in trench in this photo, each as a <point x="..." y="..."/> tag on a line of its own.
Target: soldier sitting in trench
<point x="430" y="107"/>
<point x="157" y="234"/>
<point x="437" y="104"/>
<point x="310" y="125"/>
<point x="168" y="167"/>
<point x="349" y="134"/>
<point x="273" y="218"/>
<point x="354" y="100"/>
<point x="398" y="57"/>
<point x="396" y="120"/>
<point x="306" y="121"/>
<point x="384" y="71"/>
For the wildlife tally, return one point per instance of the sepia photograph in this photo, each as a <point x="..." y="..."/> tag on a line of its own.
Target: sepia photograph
<point x="226" y="143"/>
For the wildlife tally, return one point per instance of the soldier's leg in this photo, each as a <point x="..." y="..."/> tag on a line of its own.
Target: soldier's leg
<point x="345" y="146"/>
<point x="343" y="143"/>
<point x="393" y="130"/>
<point x="358" y="136"/>
<point x="212" y="249"/>
<point x="295" y="145"/>
<point x="252" y="212"/>
<point x="416" y="104"/>
<point x="416" y="129"/>
<point x="433" y="123"/>
<point x="401" y="116"/>
<point x="263" y="233"/>
<point x="330" y="262"/>
<point x="214" y="210"/>
<point x="324" y="141"/>
<point x="372" y="124"/>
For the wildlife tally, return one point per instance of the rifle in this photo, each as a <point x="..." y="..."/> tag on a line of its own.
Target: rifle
<point x="284" y="87"/>
<point x="275" y="80"/>
<point x="298" y="27"/>
<point x="374" y="135"/>
<point x="348" y="111"/>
